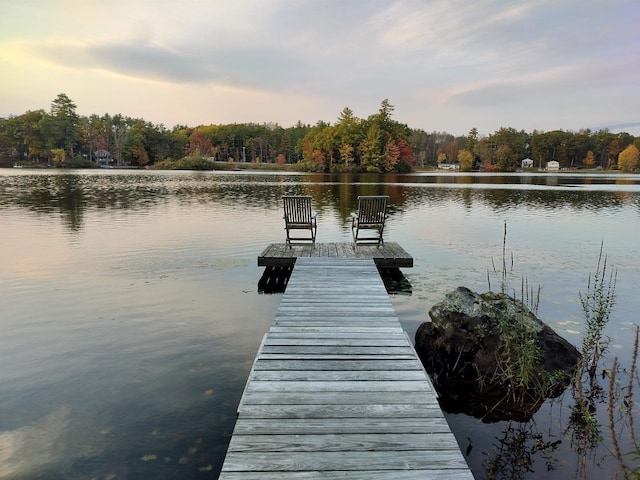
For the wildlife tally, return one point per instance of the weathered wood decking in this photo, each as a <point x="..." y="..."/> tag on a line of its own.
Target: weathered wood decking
<point x="337" y="390"/>
<point x="389" y="255"/>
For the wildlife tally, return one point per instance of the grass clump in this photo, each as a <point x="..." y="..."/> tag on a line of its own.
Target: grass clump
<point x="519" y="356"/>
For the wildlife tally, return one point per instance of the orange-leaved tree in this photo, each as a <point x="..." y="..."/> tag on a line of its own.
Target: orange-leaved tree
<point x="628" y="159"/>
<point x="590" y="159"/>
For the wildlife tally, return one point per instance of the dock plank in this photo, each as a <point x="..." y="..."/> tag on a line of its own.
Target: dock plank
<point x="339" y="375"/>
<point x="339" y="386"/>
<point x="349" y="414"/>
<point x="328" y="461"/>
<point x="341" y="364"/>
<point x="310" y="426"/>
<point x="337" y="442"/>
<point x="352" y="475"/>
<point x="336" y="390"/>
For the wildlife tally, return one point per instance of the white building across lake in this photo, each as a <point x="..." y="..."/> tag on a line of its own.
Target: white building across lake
<point x="527" y="163"/>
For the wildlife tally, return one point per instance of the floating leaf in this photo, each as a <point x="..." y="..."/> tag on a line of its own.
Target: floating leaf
<point x="208" y="393"/>
<point x="148" y="458"/>
<point x="208" y="468"/>
<point x="183" y="460"/>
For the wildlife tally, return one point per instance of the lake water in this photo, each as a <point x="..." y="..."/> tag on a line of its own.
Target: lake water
<point x="130" y="313"/>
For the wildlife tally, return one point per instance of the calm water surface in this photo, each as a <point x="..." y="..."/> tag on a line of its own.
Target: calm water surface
<point x="130" y="313"/>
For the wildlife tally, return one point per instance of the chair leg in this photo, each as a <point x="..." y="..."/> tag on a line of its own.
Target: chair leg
<point x="380" y="239"/>
<point x="301" y="239"/>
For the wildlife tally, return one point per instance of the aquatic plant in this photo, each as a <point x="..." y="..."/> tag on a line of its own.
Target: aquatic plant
<point x="621" y="409"/>
<point x="518" y="354"/>
<point x="585" y="430"/>
<point x="597" y="305"/>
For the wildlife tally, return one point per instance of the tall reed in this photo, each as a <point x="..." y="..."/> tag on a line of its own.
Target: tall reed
<point x="597" y="305"/>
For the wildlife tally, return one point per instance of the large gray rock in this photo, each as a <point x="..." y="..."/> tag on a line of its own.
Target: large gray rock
<point x="461" y="350"/>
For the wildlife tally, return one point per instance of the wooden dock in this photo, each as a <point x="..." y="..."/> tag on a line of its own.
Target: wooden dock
<point x="337" y="391"/>
<point x="390" y="255"/>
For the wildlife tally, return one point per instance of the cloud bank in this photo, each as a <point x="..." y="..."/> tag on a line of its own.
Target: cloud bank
<point x="445" y="64"/>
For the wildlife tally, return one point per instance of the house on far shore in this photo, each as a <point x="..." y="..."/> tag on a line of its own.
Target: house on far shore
<point x="553" y="166"/>
<point x="103" y="157"/>
<point x="449" y="166"/>
<point x="527" y="163"/>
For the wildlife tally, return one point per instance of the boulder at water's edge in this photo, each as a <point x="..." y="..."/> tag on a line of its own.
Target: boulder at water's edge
<point x="460" y="349"/>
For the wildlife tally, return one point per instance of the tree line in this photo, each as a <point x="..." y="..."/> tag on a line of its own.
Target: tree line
<point x="61" y="137"/>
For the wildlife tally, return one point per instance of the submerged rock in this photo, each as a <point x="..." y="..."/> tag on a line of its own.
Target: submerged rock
<point x="462" y="349"/>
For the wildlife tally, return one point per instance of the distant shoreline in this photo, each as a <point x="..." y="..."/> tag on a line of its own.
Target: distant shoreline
<point x="224" y="166"/>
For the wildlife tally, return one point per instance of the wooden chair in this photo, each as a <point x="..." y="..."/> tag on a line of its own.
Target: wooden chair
<point x="298" y="216"/>
<point x="371" y="215"/>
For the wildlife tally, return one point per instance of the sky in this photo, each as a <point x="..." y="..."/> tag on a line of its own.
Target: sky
<point x="445" y="65"/>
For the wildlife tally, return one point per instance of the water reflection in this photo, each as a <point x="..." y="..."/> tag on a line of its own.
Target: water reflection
<point x="518" y="449"/>
<point x="73" y="193"/>
<point x="135" y="339"/>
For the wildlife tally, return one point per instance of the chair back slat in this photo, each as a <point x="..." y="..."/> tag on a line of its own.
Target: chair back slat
<point x="297" y="209"/>
<point x="372" y="209"/>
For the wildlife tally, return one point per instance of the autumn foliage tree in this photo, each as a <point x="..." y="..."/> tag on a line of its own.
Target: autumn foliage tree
<point x="590" y="159"/>
<point x="451" y="150"/>
<point x="199" y="145"/>
<point x="465" y="159"/>
<point x="377" y="144"/>
<point x="406" y="161"/>
<point x="371" y="154"/>
<point x="628" y="159"/>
